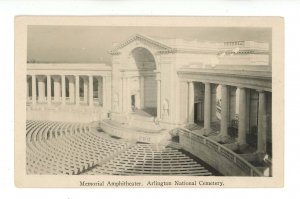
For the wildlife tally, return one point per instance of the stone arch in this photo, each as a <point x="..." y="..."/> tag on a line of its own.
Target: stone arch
<point x="143" y="89"/>
<point x="142" y="58"/>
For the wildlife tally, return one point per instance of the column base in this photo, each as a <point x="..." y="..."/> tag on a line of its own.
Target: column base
<point x="41" y="100"/>
<point x="261" y="156"/>
<point x="190" y="125"/>
<point x="242" y="147"/>
<point x="207" y="131"/>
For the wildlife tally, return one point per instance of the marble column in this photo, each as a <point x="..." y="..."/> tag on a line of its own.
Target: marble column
<point x="41" y="88"/>
<point x="242" y="117"/>
<point x="100" y="90"/>
<point x="63" y="89"/>
<point x="57" y="88"/>
<point x="207" y="107"/>
<point x="142" y="85"/>
<point x="33" y="91"/>
<point x="123" y="94"/>
<point x="91" y="91"/>
<point x="262" y="122"/>
<point x="104" y="91"/>
<point x="27" y="87"/>
<point x="128" y="97"/>
<point x="77" y="90"/>
<point x="158" y="84"/>
<point x="213" y="102"/>
<point x="224" y="111"/>
<point x="191" y="102"/>
<point x="48" y="89"/>
<point x="85" y="90"/>
<point x="71" y="89"/>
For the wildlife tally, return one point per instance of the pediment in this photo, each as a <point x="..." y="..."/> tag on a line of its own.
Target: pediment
<point x="141" y="39"/>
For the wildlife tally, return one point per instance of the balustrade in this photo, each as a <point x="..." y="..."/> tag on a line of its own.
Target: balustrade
<point x="236" y="159"/>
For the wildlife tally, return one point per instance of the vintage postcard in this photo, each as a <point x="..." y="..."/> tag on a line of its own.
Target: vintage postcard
<point x="149" y="102"/>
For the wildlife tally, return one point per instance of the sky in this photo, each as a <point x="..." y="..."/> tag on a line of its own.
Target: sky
<point x="90" y="44"/>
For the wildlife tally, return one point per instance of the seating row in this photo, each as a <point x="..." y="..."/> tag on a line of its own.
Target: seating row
<point x="66" y="148"/>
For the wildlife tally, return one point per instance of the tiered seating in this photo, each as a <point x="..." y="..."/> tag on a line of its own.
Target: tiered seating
<point x="66" y="148"/>
<point x="148" y="159"/>
<point x="76" y="148"/>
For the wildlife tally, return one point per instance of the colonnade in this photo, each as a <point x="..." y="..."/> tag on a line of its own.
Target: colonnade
<point x="41" y="89"/>
<point x="243" y="114"/>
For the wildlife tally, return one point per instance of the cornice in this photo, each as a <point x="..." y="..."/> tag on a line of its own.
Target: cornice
<point x="137" y="37"/>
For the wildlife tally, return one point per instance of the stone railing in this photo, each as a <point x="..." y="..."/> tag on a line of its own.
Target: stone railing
<point x="223" y="159"/>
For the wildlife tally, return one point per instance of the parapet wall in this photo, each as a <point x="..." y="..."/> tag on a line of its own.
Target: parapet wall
<point x="225" y="161"/>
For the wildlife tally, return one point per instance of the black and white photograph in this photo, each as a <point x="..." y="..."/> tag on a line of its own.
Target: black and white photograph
<point x="138" y="101"/>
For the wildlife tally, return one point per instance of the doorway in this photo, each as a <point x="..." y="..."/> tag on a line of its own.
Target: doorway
<point x="133" y="105"/>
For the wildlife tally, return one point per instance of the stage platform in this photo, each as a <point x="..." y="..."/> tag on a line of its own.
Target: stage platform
<point x="138" y="126"/>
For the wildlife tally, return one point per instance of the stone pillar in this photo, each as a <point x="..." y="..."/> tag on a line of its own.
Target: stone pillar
<point x="41" y="88"/>
<point x="126" y="101"/>
<point x="158" y="84"/>
<point x="63" y="89"/>
<point x="207" y="107"/>
<point x="213" y="102"/>
<point x="33" y="90"/>
<point x="142" y="94"/>
<point x="85" y="90"/>
<point x="191" y="102"/>
<point x="57" y="88"/>
<point x="124" y="94"/>
<point x="71" y="89"/>
<point x="77" y="90"/>
<point x="27" y="87"/>
<point x="91" y="91"/>
<point x="104" y="91"/>
<point x="100" y="90"/>
<point x="242" y="117"/>
<point x="48" y="89"/>
<point x="262" y="118"/>
<point x="128" y="97"/>
<point x="224" y="111"/>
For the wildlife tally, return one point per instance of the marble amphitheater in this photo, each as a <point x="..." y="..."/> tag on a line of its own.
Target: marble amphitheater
<point x="163" y="107"/>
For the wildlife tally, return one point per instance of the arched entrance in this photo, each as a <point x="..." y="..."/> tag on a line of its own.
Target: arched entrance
<point x="143" y="92"/>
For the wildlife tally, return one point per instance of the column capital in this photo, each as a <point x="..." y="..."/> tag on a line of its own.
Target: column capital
<point x="206" y="82"/>
<point x="260" y="91"/>
<point x="98" y="77"/>
<point x="241" y="88"/>
<point x="70" y="77"/>
<point x="84" y="77"/>
<point x="40" y="77"/>
<point x="56" y="77"/>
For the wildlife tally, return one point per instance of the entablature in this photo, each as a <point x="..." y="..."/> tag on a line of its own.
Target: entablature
<point x="69" y="69"/>
<point x="259" y="80"/>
